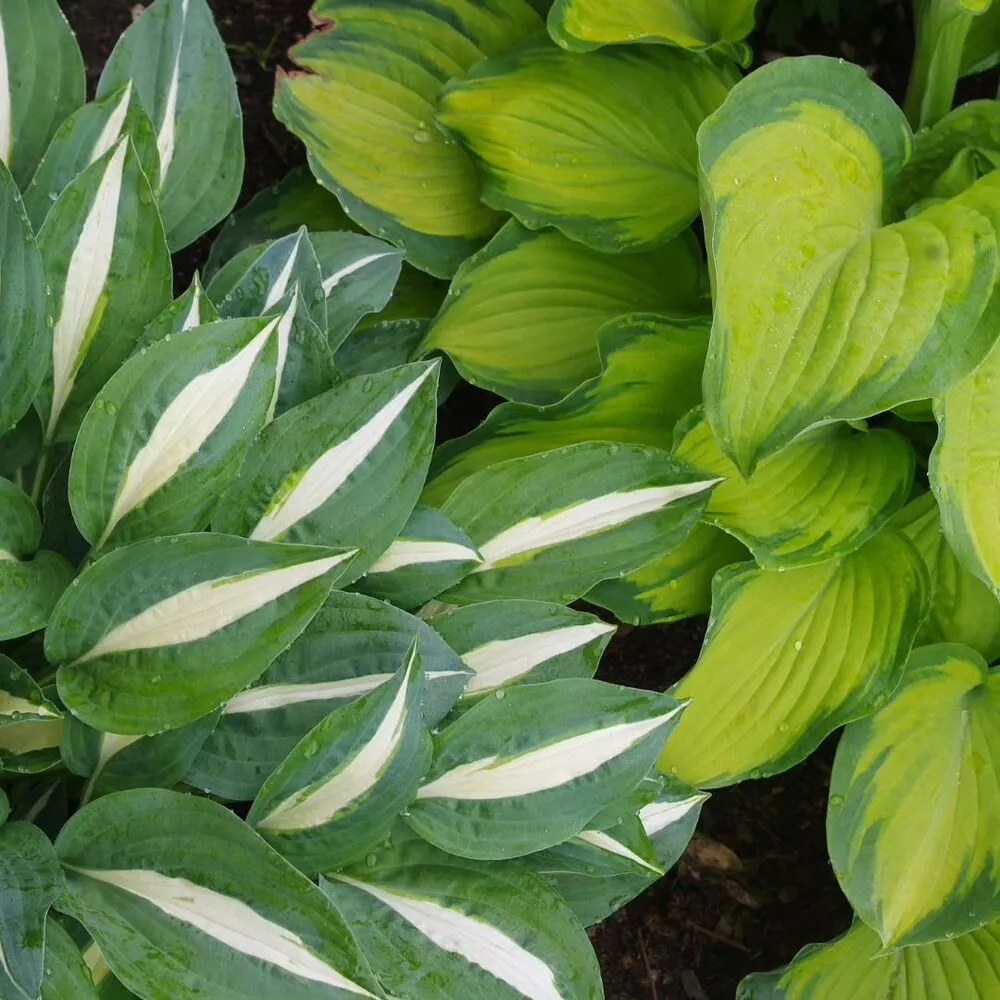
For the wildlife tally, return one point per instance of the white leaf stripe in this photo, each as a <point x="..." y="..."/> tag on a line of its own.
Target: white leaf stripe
<point x="333" y="468"/>
<point x="208" y="607"/>
<point x="476" y="941"/>
<point x="657" y="816"/>
<point x="284" y="335"/>
<point x="11" y="704"/>
<point x="405" y="552"/>
<point x="166" y="137"/>
<point x="582" y="520"/>
<point x="331" y="282"/>
<point x="503" y="660"/>
<point x="277" y="291"/>
<point x="6" y="105"/>
<point x="6" y="556"/>
<point x="544" y="768"/>
<point x="229" y="921"/>
<point x="112" y="130"/>
<point x="25" y="737"/>
<point x="89" y="265"/>
<point x="319" y="804"/>
<point x="605" y="842"/>
<point x="183" y="428"/>
<point x="193" y="317"/>
<point x="111" y="744"/>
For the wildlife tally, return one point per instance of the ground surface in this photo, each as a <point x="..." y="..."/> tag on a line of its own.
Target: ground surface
<point x="756" y="884"/>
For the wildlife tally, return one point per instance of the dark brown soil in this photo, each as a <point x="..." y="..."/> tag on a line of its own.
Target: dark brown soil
<point x="755" y="885"/>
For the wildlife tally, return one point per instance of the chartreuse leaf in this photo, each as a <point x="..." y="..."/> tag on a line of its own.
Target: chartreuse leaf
<point x="981" y="51"/>
<point x="185" y="901"/>
<point x="312" y="474"/>
<point x="159" y="633"/>
<point x="801" y="652"/>
<point x="550" y="526"/>
<point x="86" y="136"/>
<point x="962" y="607"/>
<point x="676" y="585"/>
<point x="560" y="140"/>
<point x="821" y="312"/>
<point x="855" y="964"/>
<point x="429" y="555"/>
<point x="169" y="431"/>
<point x="30" y="581"/>
<point x="365" y="110"/>
<point x="517" y="642"/>
<point x="521" y="773"/>
<point x="651" y="376"/>
<point x="108" y="267"/>
<point x="31" y="879"/>
<point x="820" y="497"/>
<point x="42" y="81"/>
<point x="923" y="763"/>
<point x="438" y="927"/>
<point x="522" y="316"/>
<point x="174" y="56"/>
<point x="337" y="794"/>
<point x="193" y="308"/>
<point x="352" y="646"/>
<point x="700" y="25"/>
<point x="66" y="974"/>
<point x="24" y="318"/>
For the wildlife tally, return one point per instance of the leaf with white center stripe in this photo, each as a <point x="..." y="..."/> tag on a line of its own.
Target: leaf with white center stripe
<point x="30" y="724"/>
<point x="359" y="276"/>
<point x="42" y="80"/>
<point x="522" y="642"/>
<point x="112" y="762"/>
<point x="159" y="633"/>
<point x="429" y="555"/>
<point x="437" y="927"/>
<point x="21" y="699"/>
<point x="801" y="652"/>
<point x="338" y="793"/>
<point x="66" y="974"/>
<point x="169" y="431"/>
<point x="352" y="646"/>
<point x="193" y="308"/>
<point x="311" y="475"/>
<point x="29" y="873"/>
<point x="108" y="267"/>
<point x="85" y="137"/>
<point x="183" y="77"/>
<point x="521" y="773"/>
<point x="550" y="526"/>
<point x="186" y="902"/>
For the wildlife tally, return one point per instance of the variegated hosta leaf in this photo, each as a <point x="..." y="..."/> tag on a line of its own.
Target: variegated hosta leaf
<point x="352" y="646"/>
<point x="600" y="870"/>
<point x="183" y="899"/>
<point x="429" y="555"/>
<point x="550" y="526"/>
<point x="560" y="140"/>
<point x="699" y="25"/>
<point x="30" y="580"/>
<point x="29" y="873"/>
<point x="24" y="315"/>
<point x="159" y="633"/>
<point x="113" y="762"/>
<point x="856" y="965"/>
<point x="651" y="372"/>
<point x="924" y="763"/>
<point x="21" y="699"/>
<point x="517" y="642"/>
<point x="386" y="344"/>
<point x="819" y="498"/>
<point x="108" y="268"/>
<point x="338" y="793"/>
<point x="821" y="312"/>
<point x="193" y="308"/>
<point x="963" y="609"/>
<point x="169" y="431"/>
<point x="86" y="136"/>
<point x="30" y="724"/>
<point x="437" y="927"/>
<point x="313" y="473"/>
<point x="523" y="772"/>
<point x="791" y="656"/>
<point x="674" y="586"/>
<point x="365" y="110"/>
<point x="66" y="974"/>
<point x="42" y="80"/>
<point x="522" y="316"/>
<point x="182" y="75"/>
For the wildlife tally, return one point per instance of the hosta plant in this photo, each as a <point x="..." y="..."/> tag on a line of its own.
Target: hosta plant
<point x="821" y="349"/>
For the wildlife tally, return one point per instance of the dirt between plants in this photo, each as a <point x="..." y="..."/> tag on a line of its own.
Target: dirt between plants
<point x="755" y="885"/>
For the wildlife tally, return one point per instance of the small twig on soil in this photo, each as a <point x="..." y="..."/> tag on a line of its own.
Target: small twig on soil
<point x="718" y="937"/>
<point x="645" y="961"/>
